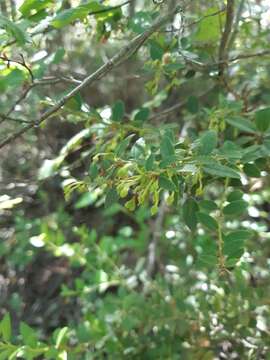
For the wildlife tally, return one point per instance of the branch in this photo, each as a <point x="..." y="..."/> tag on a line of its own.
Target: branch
<point x="205" y="17"/>
<point x="21" y="98"/>
<point x="167" y="111"/>
<point x="223" y="48"/>
<point x="22" y="63"/>
<point x="175" y="107"/>
<point x="200" y="66"/>
<point x="152" y="248"/>
<point x="248" y="56"/>
<point x="196" y="22"/>
<point x="42" y="82"/>
<point x="110" y="8"/>
<point x="6" y="117"/>
<point x="126" y="52"/>
<point x="236" y="23"/>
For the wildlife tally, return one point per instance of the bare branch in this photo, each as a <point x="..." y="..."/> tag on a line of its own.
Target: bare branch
<point x="248" y="56"/>
<point x="167" y="111"/>
<point x="41" y="82"/>
<point x="5" y="117"/>
<point x="205" y="17"/>
<point x="126" y="52"/>
<point x="17" y="102"/>
<point x="223" y="47"/>
<point x="110" y="8"/>
<point x="152" y="248"/>
<point x="200" y="66"/>
<point x="236" y="23"/>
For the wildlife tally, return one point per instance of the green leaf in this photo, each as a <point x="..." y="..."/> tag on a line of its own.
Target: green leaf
<point x="235" y="208"/>
<point x="28" y="334"/>
<point x="122" y="146"/>
<point x="29" y="7"/>
<point x="5" y="327"/>
<point x="67" y="16"/>
<point x="156" y="52"/>
<point x="208" y="205"/>
<point x="58" y="56"/>
<point x="85" y="200"/>
<point x="231" y="151"/>
<point x="173" y="67"/>
<point x="140" y="22"/>
<point x="208" y="142"/>
<point x="221" y="171"/>
<point x="149" y="163"/>
<point x="93" y="171"/>
<point x="252" y="153"/>
<point x="13" y="29"/>
<point x="234" y="245"/>
<point x="74" y="103"/>
<point x="207" y="253"/>
<point x="193" y="104"/>
<point x="208" y="259"/>
<point x="207" y="220"/>
<point x="190" y="209"/>
<point x="252" y="170"/>
<point x="4" y="355"/>
<point x="166" y="183"/>
<point x="209" y="27"/>
<point x="142" y="114"/>
<point x="12" y="78"/>
<point x="241" y="124"/>
<point x="238" y="236"/>
<point x="61" y="336"/>
<point x="131" y="204"/>
<point x="111" y="197"/>
<point x="262" y="119"/>
<point x="261" y="163"/>
<point x="166" y="147"/>
<point x="118" y="111"/>
<point x="168" y="161"/>
<point x="235" y="195"/>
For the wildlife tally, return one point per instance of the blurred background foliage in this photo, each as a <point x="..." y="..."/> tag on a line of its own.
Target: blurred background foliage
<point x="135" y="220"/>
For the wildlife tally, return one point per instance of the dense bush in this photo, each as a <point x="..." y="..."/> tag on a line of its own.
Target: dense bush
<point x="135" y="143"/>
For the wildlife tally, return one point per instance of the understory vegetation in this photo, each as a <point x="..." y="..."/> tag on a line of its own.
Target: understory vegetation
<point x="134" y="179"/>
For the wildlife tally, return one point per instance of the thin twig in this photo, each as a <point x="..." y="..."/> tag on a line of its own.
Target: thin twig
<point x="5" y="117"/>
<point x="175" y="107"/>
<point x="41" y="82"/>
<point x="110" y="8"/>
<point x="22" y="63"/>
<point x="17" y="102"/>
<point x="126" y="52"/>
<point x="200" y="66"/>
<point x="248" y="56"/>
<point x="205" y="17"/>
<point x="197" y="21"/>
<point x="167" y="111"/>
